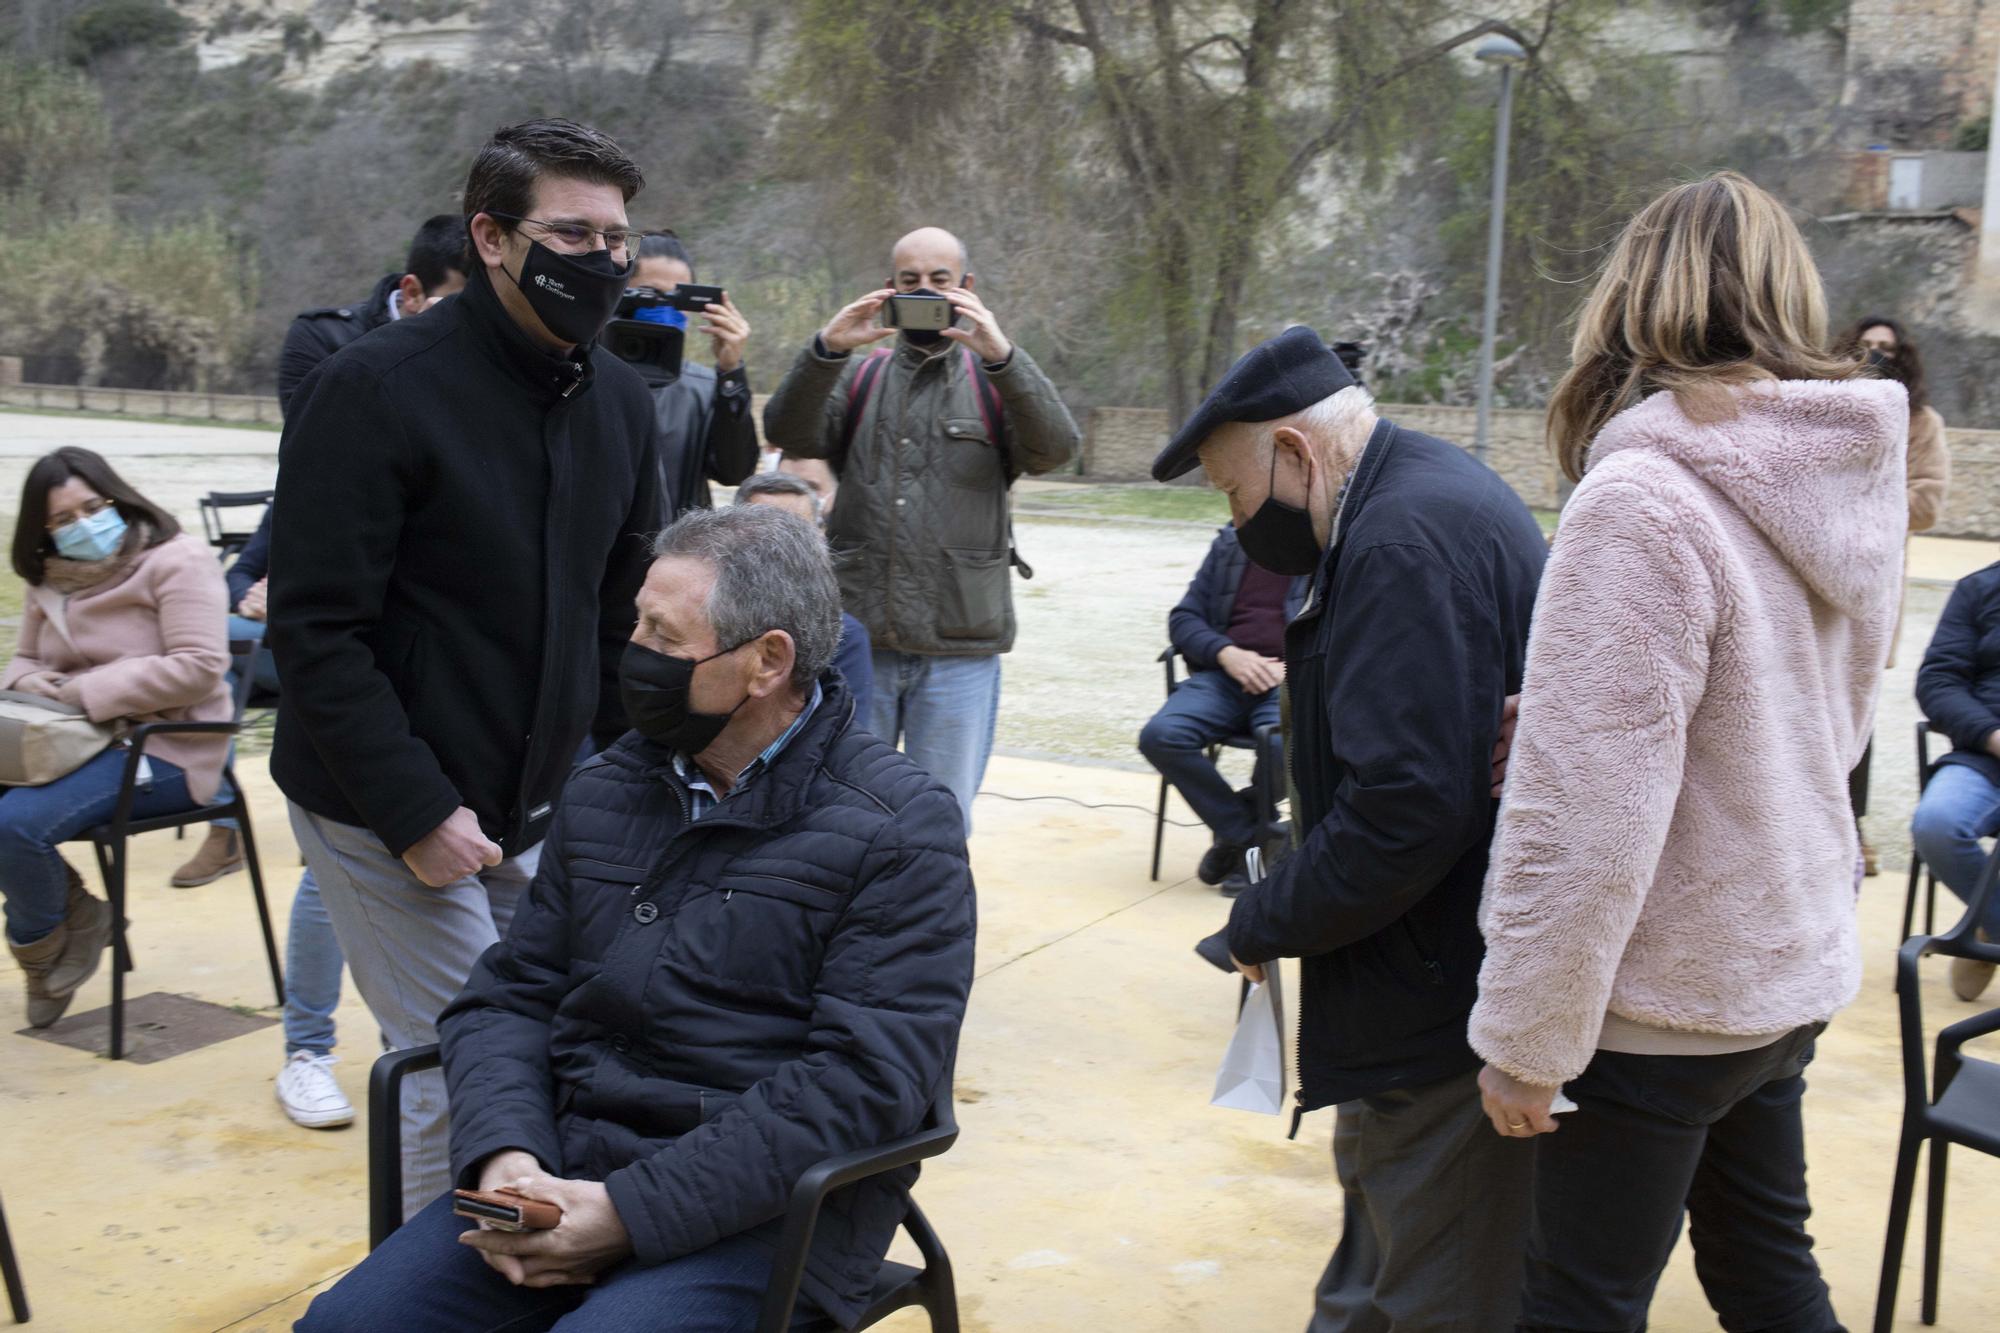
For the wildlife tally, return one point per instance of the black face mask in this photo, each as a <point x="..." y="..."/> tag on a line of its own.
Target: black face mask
<point x="1280" y="536"/>
<point x="655" y="689"/>
<point x="573" y="295"/>
<point x="926" y="338"/>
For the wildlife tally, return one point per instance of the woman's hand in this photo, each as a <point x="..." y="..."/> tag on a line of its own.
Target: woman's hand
<point x="1518" y="1110"/>
<point x="44" y="684"/>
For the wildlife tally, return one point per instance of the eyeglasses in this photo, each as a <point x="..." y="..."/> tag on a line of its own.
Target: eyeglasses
<point x="577" y="235"/>
<point x="90" y="508"/>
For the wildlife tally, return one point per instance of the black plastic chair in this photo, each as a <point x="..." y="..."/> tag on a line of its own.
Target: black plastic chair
<point x="1926" y="770"/>
<point x="109" y="840"/>
<point x="1963" y="1107"/>
<point x="10" y="1270"/>
<point x="1267" y="776"/>
<point x="898" y="1287"/>
<point x="226" y="540"/>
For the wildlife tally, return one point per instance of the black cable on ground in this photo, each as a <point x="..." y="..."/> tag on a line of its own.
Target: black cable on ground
<point x="1094" y="805"/>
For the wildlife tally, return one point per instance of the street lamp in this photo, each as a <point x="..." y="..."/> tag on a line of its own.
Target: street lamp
<point x="1506" y="53"/>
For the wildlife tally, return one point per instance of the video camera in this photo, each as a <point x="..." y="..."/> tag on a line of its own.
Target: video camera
<point x="650" y="328"/>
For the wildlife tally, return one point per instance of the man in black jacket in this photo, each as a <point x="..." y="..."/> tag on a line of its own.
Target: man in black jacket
<point x="748" y="950"/>
<point x="1230" y="630"/>
<point x="436" y="268"/>
<point x="1424" y="568"/>
<point x="1958" y="687"/>
<point x="706" y="431"/>
<point x="464" y="499"/>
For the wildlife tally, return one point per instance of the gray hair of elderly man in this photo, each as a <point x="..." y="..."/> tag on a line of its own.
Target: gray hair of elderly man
<point x="772" y="571"/>
<point x="779" y="483"/>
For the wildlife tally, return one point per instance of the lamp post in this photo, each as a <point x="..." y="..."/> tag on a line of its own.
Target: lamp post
<point x="1507" y="54"/>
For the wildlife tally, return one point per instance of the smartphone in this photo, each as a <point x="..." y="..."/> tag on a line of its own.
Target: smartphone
<point x="504" y="1210"/>
<point x="695" y="296"/>
<point x="919" y="312"/>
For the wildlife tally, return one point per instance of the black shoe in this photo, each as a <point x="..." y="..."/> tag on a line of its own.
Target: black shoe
<point x="1218" y="861"/>
<point x="1234" y="883"/>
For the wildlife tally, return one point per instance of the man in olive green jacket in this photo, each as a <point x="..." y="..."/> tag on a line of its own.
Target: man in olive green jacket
<point x="921" y="536"/>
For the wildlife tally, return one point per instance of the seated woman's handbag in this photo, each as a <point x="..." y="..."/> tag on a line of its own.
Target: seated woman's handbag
<point x="42" y="740"/>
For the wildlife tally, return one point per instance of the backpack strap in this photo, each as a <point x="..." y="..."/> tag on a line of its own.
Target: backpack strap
<point x="860" y="392"/>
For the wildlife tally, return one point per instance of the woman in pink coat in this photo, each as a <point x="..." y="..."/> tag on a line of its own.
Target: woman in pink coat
<point x="126" y="619"/>
<point x="1669" y="913"/>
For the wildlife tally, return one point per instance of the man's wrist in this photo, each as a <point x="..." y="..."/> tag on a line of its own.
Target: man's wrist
<point x="824" y="352"/>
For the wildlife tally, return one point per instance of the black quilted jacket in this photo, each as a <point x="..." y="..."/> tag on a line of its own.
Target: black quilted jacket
<point x="695" y="1013"/>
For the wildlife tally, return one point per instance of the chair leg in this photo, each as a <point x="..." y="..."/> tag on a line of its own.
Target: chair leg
<point x="10" y="1269"/>
<point x="1899" y="1225"/>
<point x="121" y="951"/>
<point x="1910" y="896"/>
<point x="256" y="868"/>
<point x="1934" y="1228"/>
<point x="1930" y="904"/>
<point x="940" y="1291"/>
<point x="1159" y="828"/>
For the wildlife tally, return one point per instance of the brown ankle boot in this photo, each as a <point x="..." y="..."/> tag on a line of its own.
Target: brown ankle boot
<point x="88" y="922"/>
<point x="37" y="960"/>
<point x="221" y="854"/>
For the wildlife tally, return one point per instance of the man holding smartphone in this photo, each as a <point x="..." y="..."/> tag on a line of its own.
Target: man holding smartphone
<point x="926" y="438"/>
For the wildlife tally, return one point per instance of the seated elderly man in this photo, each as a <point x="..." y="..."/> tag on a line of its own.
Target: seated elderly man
<point x="855" y="657"/>
<point x="747" y="950"/>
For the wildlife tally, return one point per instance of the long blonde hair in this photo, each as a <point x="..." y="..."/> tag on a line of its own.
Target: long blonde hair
<point x="1710" y="287"/>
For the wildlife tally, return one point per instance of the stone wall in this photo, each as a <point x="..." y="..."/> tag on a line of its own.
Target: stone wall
<point x="1120" y="443"/>
<point x="142" y="402"/>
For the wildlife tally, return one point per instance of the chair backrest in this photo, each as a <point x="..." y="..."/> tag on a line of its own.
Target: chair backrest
<point x="226" y="539"/>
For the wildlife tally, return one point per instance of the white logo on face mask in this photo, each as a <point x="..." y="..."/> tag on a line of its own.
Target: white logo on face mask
<point x="548" y="284"/>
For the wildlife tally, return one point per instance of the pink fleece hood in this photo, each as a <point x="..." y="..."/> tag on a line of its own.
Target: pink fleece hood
<point x="1800" y="459"/>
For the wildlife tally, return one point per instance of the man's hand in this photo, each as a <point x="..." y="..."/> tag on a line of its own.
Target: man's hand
<point x="855" y="325"/>
<point x="1254" y="971"/>
<point x="983" y="336"/>
<point x="726" y="325"/>
<point x="1256" y="673"/>
<point x="1518" y="1110"/>
<point x="507" y="1166"/>
<point x="590" y="1238"/>
<point x="47" y="684"/>
<point x="1992" y="738"/>
<point x="256" y="601"/>
<point x="1510" y="714"/>
<point x="451" y="851"/>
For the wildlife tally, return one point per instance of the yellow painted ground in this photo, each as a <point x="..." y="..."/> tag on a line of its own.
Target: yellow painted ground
<point x="1093" y="1186"/>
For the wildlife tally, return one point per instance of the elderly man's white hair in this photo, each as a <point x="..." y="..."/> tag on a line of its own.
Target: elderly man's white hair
<point x="1346" y="414"/>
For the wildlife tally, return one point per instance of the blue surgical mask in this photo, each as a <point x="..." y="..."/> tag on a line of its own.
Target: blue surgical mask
<point x="94" y="537"/>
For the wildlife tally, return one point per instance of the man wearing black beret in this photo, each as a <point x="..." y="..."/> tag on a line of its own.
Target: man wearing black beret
<point x="1424" y="568"/>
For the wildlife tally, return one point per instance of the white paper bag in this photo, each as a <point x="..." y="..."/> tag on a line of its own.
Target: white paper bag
<point x="1252" y="1077"/>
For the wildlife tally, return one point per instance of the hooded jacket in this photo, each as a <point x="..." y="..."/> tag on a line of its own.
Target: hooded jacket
<point x="920" y="536"/>
<point x="1675" y="843"/>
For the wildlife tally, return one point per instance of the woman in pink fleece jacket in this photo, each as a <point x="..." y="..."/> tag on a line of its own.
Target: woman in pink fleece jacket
<point x="125" y="619"/>
<point x="1669" y="913"/>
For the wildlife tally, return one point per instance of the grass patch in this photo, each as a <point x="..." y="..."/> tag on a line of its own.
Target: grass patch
<point x="1187" y="504"/>
<point x="135" y="416"/>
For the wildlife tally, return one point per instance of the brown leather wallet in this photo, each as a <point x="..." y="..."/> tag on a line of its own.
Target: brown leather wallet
<point x="504" y="1210"/>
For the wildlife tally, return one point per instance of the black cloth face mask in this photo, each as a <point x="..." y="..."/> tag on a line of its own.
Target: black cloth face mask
<point x="1280" y="536"/>
<point x="574" y="296"/>
<point x="655" y="688"/>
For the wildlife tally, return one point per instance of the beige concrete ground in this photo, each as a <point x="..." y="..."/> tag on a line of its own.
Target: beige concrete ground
<point x="1093" y="1186"/>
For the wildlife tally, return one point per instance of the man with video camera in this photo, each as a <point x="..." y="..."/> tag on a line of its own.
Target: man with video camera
<point x="926" y="439"/>
<point x="706" y="430"/>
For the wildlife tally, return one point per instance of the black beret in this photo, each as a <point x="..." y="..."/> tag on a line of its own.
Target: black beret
<point x="1286" y="374"/>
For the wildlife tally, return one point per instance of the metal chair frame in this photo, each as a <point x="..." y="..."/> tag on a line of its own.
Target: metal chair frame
<point x="1926" y="770"/>
<point x="1267" y="774"/>
<point x="226" y="541"/>
<point x="10" y="1270"/>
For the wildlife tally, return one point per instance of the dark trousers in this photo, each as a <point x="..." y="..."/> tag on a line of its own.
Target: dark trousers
<point x="1857" y="781"/>
<point x="423" y="1281"/>
<point x="1205" y="709"/>
<point x="1718" y="1138"/>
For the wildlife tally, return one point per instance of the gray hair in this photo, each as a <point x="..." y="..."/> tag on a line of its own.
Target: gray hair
<point x="778" y="483"/>
<point x="772" y="571"/>
<point x="1344" y="415"/>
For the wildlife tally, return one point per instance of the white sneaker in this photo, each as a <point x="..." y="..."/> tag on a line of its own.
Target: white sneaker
<point x="309" y="1095"/>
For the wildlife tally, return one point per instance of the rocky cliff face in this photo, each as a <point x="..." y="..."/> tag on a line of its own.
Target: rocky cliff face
<point x="318" y="40"/>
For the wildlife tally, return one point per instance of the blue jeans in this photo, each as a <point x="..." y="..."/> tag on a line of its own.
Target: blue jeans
<point x="312" y="972"/>
<point x="941" y="712"/>
<point x="265" y="666"/>
<point x="423" y="1281"/>
<point x="1207" y="707"/>
<point x="1957" y="809"/>
<point x="33" y="820"/>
